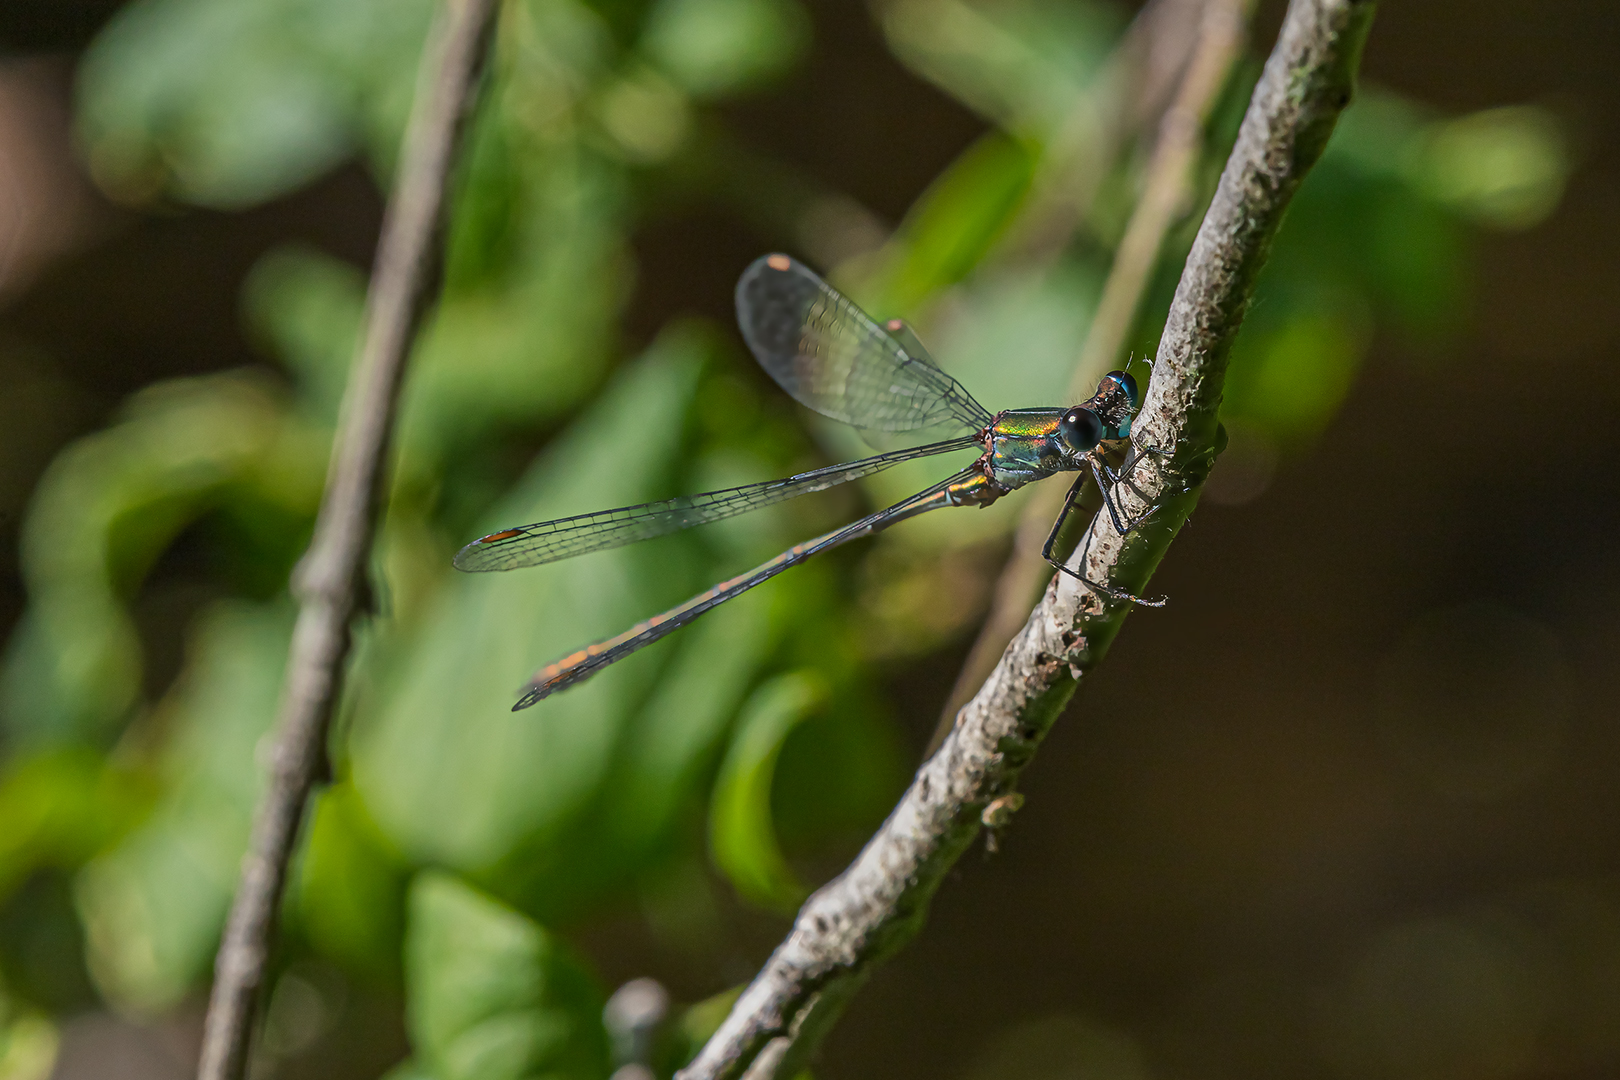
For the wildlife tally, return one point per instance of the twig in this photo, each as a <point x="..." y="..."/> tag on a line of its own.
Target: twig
<point x="1129" y="91"/>
<point x="327" y="578"/>
<point x="877" y="904"/>
<point x="1165" y="194"/>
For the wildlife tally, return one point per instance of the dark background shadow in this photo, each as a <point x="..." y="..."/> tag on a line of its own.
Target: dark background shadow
<point x="1290" y="827"/>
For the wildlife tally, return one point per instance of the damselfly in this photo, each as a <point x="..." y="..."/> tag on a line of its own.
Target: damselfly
<point x="830" y="356"/>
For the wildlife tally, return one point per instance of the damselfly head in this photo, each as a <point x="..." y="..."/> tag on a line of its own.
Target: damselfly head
<point x="1114" y="404"/>
<point x="1106" y="416"/>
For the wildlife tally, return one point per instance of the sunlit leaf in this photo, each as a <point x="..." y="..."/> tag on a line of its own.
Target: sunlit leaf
<point x="525" y="347"/>
<point x="647" y="115"/>
<point x="712" y="47"/>
<point x="349" y="888"/>
<point x="228" y="103"/>
<point x="62" y="806"/>
<point x="1290" y="377"/>
<point x="1503" y="167"/>
<point x="153" y="906"/>
<point x="450" y="773"/>
<point x="1022" y="64"/>
<point x="741" y="835"/>
<point x="950" y="227"/>
<point x="492" y="995"/>
<point x="29" y="1043"/>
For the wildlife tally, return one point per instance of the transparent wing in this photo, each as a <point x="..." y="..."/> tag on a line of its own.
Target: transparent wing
<point x="548" y="541"/>
<point x="830" y="356"/>
<point x="588" y="661"/>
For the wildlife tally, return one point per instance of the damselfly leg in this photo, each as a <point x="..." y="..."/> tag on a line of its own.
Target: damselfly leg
<point x="1107" y="478"/>
<point x="1057" y="527"/>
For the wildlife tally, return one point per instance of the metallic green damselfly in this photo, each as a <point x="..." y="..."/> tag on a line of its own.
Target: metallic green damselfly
<point x="833" y="358"/>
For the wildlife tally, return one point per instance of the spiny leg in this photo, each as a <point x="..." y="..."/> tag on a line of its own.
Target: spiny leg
<point x="1051" y="539"/>
<point x="1108" y="590"/>
<point x="1122" y="475"/>
<point x="1099" y="473"/>
<point x="1105" y="483"/>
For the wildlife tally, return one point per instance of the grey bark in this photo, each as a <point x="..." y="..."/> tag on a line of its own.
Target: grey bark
<point x="1219" y="32"/>
<point x="326" y="582"/>
<point x="881" y="900"/>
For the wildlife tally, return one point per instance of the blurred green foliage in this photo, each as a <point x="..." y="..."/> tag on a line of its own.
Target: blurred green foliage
<point x="740" y="822"/>
<point x="493" y="996"/>
<point x="458" y="837"/>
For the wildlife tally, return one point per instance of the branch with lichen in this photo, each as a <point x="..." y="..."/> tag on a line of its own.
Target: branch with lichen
<point x="1166" y="190"/>
<point x="878" y="903"/>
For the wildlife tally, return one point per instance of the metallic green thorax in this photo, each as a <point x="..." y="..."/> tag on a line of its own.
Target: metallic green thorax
<point x="1025" y="445"/>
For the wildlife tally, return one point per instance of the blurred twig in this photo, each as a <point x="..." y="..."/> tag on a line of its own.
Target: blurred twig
<point x="327" y="579"/>
<point x="877" y="904"/>
<point x="1166" y="192"/>
<point x="1129" y="92"/>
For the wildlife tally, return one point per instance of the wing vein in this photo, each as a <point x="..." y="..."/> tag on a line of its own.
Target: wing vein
<point x="833" y="358"/>
<point x="549" y="541"/>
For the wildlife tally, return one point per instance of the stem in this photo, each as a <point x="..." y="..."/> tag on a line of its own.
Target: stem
<point x="1128" y="93"/>
<point x="327" y="578"/>
<point x="1165" y="195"/>
<point x="880" y="901"/>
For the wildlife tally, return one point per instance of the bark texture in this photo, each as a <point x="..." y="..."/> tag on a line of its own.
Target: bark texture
<point x="1218" y="35"/>
<point x="327" y="580"/>
<point x="881" y="900"/>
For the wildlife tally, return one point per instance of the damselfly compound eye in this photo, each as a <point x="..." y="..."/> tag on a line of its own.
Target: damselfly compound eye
<point x="1081" y="429"/>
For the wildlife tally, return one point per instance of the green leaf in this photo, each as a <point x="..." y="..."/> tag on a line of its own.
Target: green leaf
<point x="409" y="1069"/>
<point x="713" y="47"/>
<point x="741" y="835"/>
<point x="348" y="896"/>
<point x="1290" y="377"/>
<point x="153" y="906"/>
<point x="307" y="306"/>
<point x="1504" y="167"/>
<point x="492" y="995"/>
<point x="228" y="103"/>
<point x="62" y="806"/>
<point x="105" y="509"/>
<point x="664" y="761"/>
<point x="526" y="344"/>
<point x="681" y="728"/>
<point x="951" y="226"/>
<point x="839" y="772"/>
<point x="1023" y="64"/>
<point x="29" y="1042"/>
<point x="450" y="773"/>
